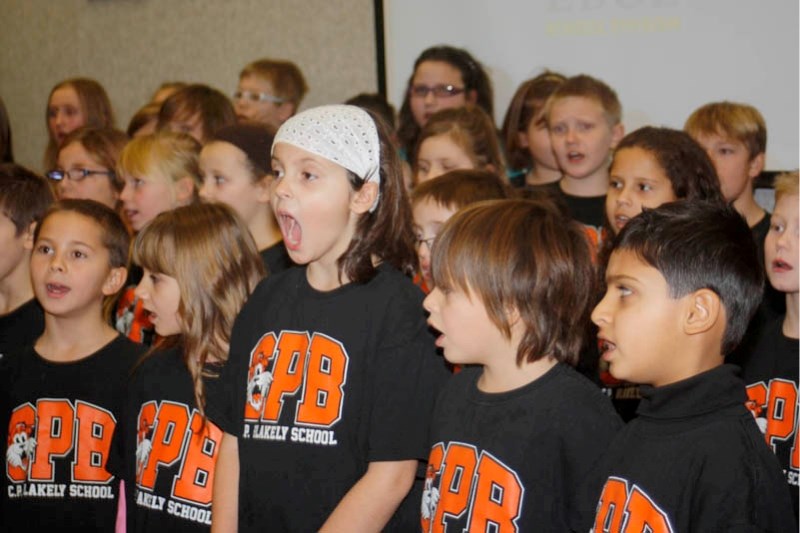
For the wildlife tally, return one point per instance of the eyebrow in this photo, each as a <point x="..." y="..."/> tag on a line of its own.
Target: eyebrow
<point x="620" y="277"/>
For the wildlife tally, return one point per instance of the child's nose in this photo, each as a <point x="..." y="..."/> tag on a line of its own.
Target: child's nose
<point x="599" y="313"/>
<point x="57" y="262"/>
<point x="429" y="303"/>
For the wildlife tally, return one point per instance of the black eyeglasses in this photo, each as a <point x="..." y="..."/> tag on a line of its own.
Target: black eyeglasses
<point x="257" y="97"/>
<point x="427" y="242"/>
<point x="439" y="91"/>
<point x="77" y="174"/>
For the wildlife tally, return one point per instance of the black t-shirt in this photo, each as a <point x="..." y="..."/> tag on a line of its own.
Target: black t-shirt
<point x="21" y="327"/>
<point x="589" y="211"/>
<point x="319" y="384"/>
<point x="61" y="419"/>
<point x="276" y="258"/>
<point x="516" y="458"/>
<point x="164" y="449"/>
<point x="692" y="460"/>
<point x="771" y="373"/>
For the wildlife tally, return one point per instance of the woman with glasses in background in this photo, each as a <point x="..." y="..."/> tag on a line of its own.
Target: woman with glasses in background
<point x="86" y="165"/>
<point x="444" y="77"/>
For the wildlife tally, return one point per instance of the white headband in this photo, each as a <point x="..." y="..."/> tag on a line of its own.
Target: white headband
<point x="343" y="134"/>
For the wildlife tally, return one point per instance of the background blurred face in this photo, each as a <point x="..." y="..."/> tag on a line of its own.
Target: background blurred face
<point x="732" y="162"/>
<point x="782" y="245"/>
<point x="432" y="74"/>
<point x="537" y="140"/>
<point x="637" y="181"/>
<point x="64" y="113"/>
<point x="227" y="178"/>
<point x="189" y="124"/>
<point x="429" y="217"/>
<point x="271" y="113"/>
<point x="440" y="154"/>
<point x="96" y="187"/>
<point x="581" y="135"/>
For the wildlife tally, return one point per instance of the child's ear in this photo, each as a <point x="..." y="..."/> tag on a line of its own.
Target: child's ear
<point x="617" y="133"/>
<point x="115" y="280"/>
<point x="704" y="311"/>
<point x="28" y="243"/>
<point x="364" y="199"/>
<point x="756" y="165"/>
<point x="184" y="190"/>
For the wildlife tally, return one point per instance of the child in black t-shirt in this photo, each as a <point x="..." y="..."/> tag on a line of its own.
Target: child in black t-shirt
<point x="517" y="430"/>
<point x="194" y="284"/>
<point x="24" y="197"/>
<point x="770" y="367"/>
<point x="332" y="372"/>
<point x="682" y="283"/>
<point x="60" y="398"/>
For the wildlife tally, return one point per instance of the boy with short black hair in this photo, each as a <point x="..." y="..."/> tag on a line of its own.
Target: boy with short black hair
<point x="517" y="430"/>
<point x="770" y="367"/>
<point x="683" y="281"/>
<point x="269" y="91"/>
<point x="584" y="117"/>
<point x="24" y="198"/>
<point x="60" y="398"/>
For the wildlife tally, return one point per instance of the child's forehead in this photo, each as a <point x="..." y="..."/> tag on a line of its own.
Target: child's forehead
<point x="427" y="209"/>
<point x="72" y="226"/>
<point x="566" y="106"/>
<point x="627" y="263"/>
<point x="256" y="81"/>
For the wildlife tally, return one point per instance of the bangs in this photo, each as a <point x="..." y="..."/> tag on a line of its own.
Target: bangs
<point x="154" y="249"/>
<point x="137" y="156"/>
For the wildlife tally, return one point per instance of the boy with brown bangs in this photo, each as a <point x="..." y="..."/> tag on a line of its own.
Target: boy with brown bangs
<point x="269" y="91"/>
<point x="24" y="198"/>
<point x="682" y="285"/>
<point x="584" y="117"/>
<point x="515" y="433"/>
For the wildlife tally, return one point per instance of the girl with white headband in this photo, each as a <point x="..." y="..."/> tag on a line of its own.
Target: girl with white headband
<point x="332" y="372"/>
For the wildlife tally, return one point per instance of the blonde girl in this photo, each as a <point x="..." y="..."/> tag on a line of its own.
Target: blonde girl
<point x="332" y="371"/>
<point x="459" y="138"/>
<point x="194" y="284"/>
<point x="74" y="103"/>
<point x="86" y="165"/>
<point x="161" y="172"/>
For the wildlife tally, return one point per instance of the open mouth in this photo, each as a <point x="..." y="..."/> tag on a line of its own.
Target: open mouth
<point x="606" y="347"/>
<point x="779" y="265"/>
<point x="291" y="231"/>
<point x="56" y="290"/>
<point x="620" y="221"/>
<point x="575" y="157"/>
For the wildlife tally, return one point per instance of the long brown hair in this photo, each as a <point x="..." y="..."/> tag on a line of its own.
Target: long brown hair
<point x="211" y="254"/>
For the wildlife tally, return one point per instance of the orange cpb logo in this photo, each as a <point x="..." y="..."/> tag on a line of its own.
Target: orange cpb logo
<point x="315" y="368"/>
<point x="170" y="434"/>
<point x="775" y="407"/>
<point x="464" y="485"/>
<point x="38" y="436"/>
<point x="624" y="510"/>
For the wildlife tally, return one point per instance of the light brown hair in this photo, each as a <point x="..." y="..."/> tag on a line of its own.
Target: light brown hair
<point x="213" y="107"/>
<point x="739" y="122"/>
<point x="521" y="255"/>
<point x="585" y="86"/>
<point x="285" y="77"/>
<point x="786" y="184"/>
<point x="211" y="254"/>
<point x="458" y="188"/>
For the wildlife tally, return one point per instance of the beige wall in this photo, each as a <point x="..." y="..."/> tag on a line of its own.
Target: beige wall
<point x="131" y="46"/>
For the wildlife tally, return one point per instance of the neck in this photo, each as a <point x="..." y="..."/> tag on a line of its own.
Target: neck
<point x="747" y="207"/>
<point x="593" y="185"/>
<point x="502" y="374"/>
<point x="15" y="288"/>
<point x="542" y="175"/>
<point x="790" y="326"/>
<point x="72" y="338"/>
<point x="325" y="277"/>
<point x="264" y="229"/>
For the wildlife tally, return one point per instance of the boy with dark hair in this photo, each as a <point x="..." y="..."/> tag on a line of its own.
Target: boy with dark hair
<point x="61" y="396"/>
<point x="24" y="197"/>
<point x="770" y="367"/>
<point x="517" y="430"/>
<point x="683" y="281"/>
<point x="269" y="91"/>
<point x="584" y="117"/>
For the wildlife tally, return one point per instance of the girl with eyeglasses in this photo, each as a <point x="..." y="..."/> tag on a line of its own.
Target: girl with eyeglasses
<point x="444" y="77"/>
<point x="85" y="165"/>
